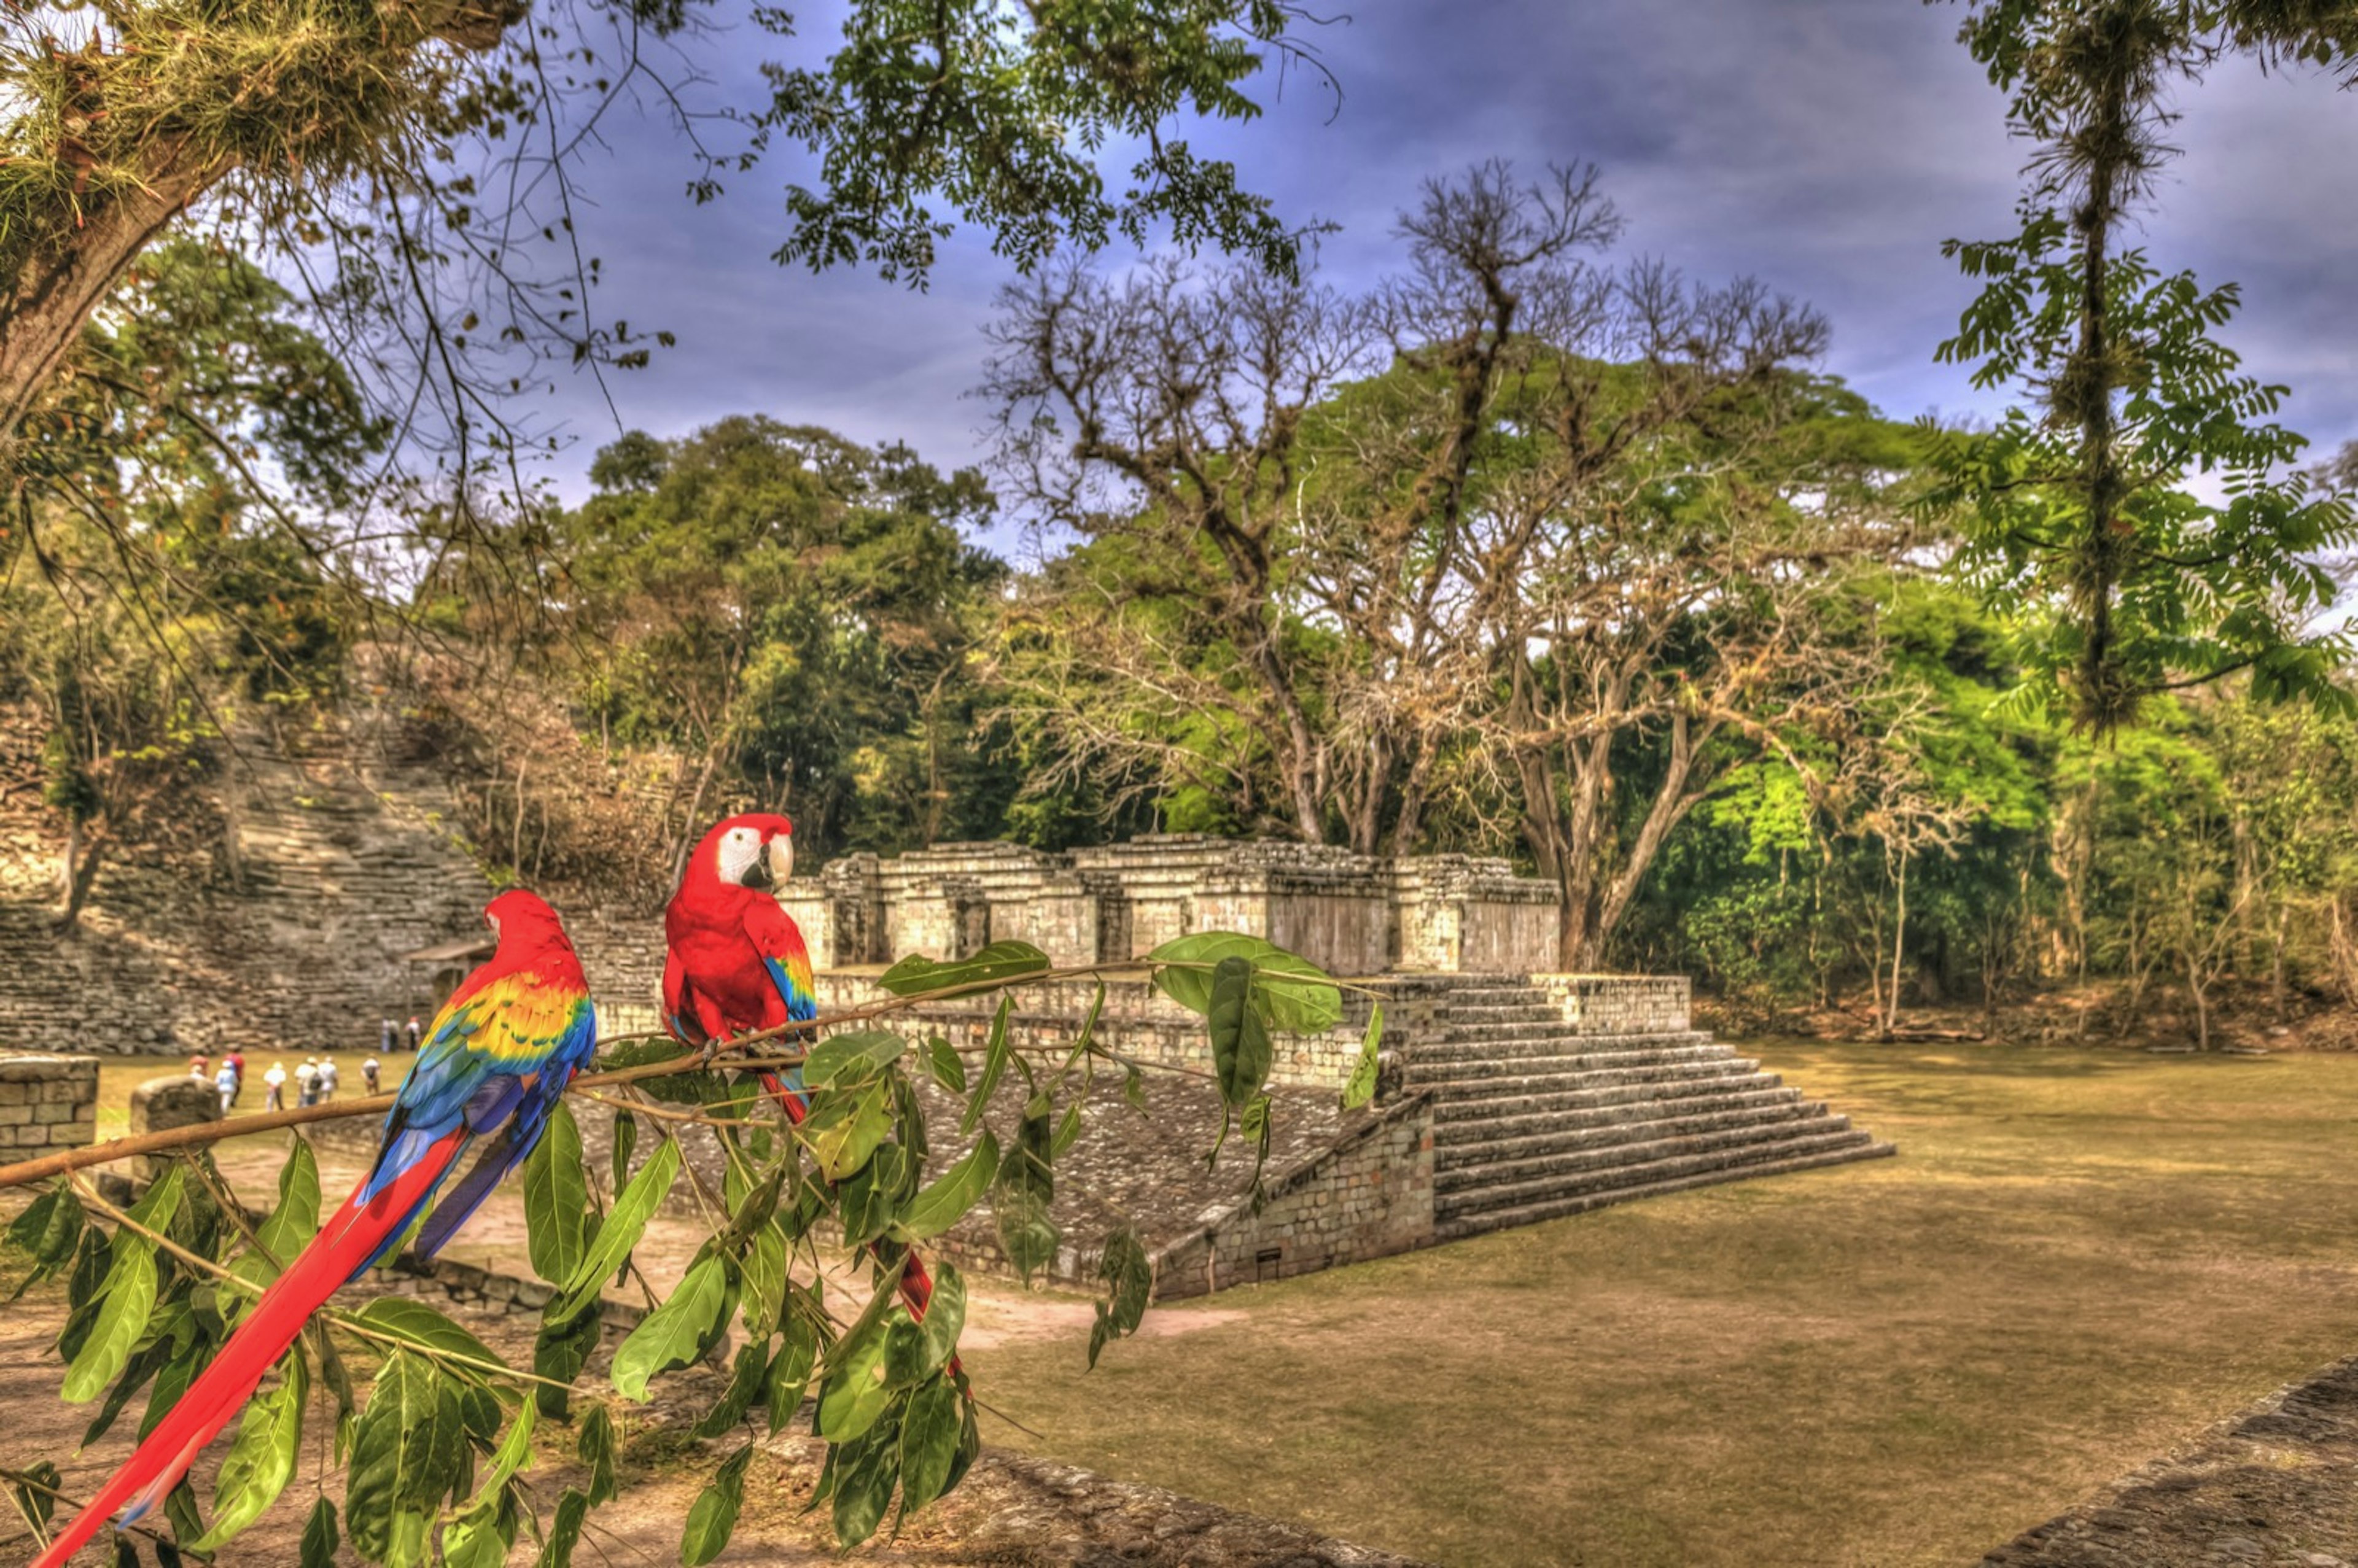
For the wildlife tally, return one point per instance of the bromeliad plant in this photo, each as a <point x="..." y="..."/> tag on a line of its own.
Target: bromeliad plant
<point x="436" y="1452"/>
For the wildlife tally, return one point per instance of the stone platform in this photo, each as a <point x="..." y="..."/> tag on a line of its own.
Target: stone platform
<point x="1510" y="1101"/>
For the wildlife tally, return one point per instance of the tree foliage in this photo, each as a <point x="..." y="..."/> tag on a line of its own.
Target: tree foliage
<point x="2078" y="516"/>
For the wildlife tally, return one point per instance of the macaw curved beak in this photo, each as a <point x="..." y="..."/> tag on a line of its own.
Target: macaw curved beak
<point x="778" y="859"/>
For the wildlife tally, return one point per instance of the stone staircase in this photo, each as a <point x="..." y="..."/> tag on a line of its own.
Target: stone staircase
<point x="1538" y="1114"/>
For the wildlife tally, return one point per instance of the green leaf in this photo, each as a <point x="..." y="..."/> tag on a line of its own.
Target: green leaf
<point x="474" y="1539"/>
<point x="624" y="1225"/>
<point x="762" y="1278"/>
<point x="1289" y="993"/>
<point x="746" y="1379"/>
<point x="851" y="1056"/>
<point x="930" y="1431"/>
<point x="32" y="1501"/>
<point x="677" y="1333"/>
<point x="944" y="1315"/>
<point x="1129" y="1275"/>
<point x="870" y="1200"/>
<point x="413" y="1323"/>
<point x="171" y="1334"/>
<point x="1241" y="1048"/>
<point x="945" y="1065"/>
<point x="47" y="1231"/>
<point x="560" y="1351"/>
<point x="564" y="1531"/>
<point x="173" y="1380"/>
<point x="846" y="1127"/>
<point x="595" y="1447"/>
<point x="790" y="1370"/>
<point x="1020" y="1199"/>
<point x="1361" y="1088"/>
<point x="855" y="1393"/>
<point x="556" y="1200"/>
<point x="320" y="1536"/>
<point x="945" y="1200"/>
<point x="130" y="1296"/>
<point x="393" y="1451"/>
<point x="712" y="1517"/>
<point x="1068" y="1131"/>
<point x="994" y="1067"/>
<point x="865" y="1472"/>
<point x="261" y="1460"/>
<point x="626" y="1142"/>
<point x="999" y="961"/>
<point x="514" y="1451"/>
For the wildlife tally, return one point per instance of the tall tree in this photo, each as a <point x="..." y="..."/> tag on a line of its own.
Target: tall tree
<point x="2079" y="516"/>
<point x="161" y="577"/>
<point x="1503" y="518"/>
<point x="793" y="613"/>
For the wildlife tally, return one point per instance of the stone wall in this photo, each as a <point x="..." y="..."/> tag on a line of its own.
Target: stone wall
<point x="1620" y="1004"/>
<point x="274" y="917"/>
<point x="47" y="1102"/>
<point x="1352" y="914"/>
<point x="1367" y="1196"/>
<point x="1140" y="1021"/>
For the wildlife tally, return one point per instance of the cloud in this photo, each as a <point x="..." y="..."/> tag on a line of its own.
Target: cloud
<point x="1826" y="147"/>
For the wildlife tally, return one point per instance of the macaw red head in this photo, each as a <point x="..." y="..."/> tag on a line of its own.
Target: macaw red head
<point x="522" y="920"/>
<point x="754" y="850"/>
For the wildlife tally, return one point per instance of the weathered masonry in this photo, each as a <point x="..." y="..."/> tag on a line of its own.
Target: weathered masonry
<point x="47" y="1103"/>
<point x="1353" y="914"/>
<point x="1508" y="1099"/>
<point x="1512" y="1095"/>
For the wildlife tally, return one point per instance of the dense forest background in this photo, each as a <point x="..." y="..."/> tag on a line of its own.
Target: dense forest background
<point x="1528" y="551"/>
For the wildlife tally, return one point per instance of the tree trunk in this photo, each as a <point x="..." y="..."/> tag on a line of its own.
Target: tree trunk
<point x="1410" y="822"/>
<point x="1899" y="951"/>
<point x="82" y="851"/>
<point x="45" y="305"/>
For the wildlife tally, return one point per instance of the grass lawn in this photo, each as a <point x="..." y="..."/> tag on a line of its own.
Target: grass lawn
<point x="2077" y="1259"/>
<point x="118" y="1075"/>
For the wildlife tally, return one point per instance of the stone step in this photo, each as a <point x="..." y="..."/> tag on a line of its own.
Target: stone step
<point x="1639" y="1143"/>
<point x="1533" y="1012"/>
<point x="1497" y="996"/>
<point x="1507" y="1121"/>
<point x="1673" y="1162"/>
<point x="1581" y="1203"/>
<point x="1450" y="1033"/>
<point x="1482" y="1078"/>
<point x="1640" y="1123"/>
<point x="1511" y="1096"/>
<point x="1455" y="1053"/>
<point x="1648" y="1103"/>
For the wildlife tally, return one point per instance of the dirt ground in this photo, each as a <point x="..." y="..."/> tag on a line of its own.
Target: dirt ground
<point x="2079" y="1259"/>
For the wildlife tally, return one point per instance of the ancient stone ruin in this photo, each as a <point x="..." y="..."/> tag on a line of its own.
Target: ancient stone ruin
<point x="1513" y="1094"/>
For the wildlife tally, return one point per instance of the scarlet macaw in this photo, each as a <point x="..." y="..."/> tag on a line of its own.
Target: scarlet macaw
<point x="735" y="962"/>
<point x="500" y="1055"/>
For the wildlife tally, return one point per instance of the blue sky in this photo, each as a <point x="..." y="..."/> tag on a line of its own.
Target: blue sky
<point x="1824" y="147"/>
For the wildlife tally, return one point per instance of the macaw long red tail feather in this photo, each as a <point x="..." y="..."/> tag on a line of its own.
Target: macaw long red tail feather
<point x="917" y="1285"/>
<point x="343" y="1247"/>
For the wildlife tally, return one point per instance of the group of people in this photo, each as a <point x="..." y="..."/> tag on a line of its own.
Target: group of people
<point x="228" y="1080"/>
<point x="316" y="1080"/>
<point x="389" y="1038"/>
